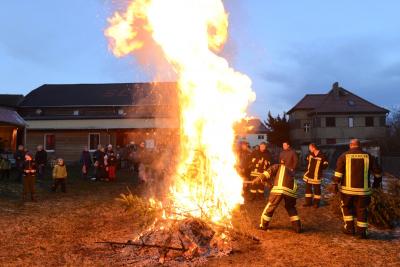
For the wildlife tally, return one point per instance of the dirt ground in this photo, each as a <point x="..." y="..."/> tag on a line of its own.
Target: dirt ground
<point x="61" y="230"/>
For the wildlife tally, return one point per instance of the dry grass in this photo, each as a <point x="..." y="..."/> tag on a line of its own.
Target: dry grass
<point x="61" y="230"/>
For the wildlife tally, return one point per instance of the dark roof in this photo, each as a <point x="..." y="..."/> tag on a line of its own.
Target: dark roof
<point x="11" y="101"/>
<point x="10" y="116"/>
<point x="113" y="94"/>
<point x="251" y="126"/>
<point x="337" y="100"/>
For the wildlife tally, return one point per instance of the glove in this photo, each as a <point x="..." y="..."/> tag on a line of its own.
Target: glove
<point x="377" y="184"/>
<point x="333" y="188"/>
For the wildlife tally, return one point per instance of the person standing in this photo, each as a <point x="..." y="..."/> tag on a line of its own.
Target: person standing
<point x="284" y="187"/>
<point x="59" y="175"/>
<point x="19" y="157"/>
<point x="243" y="166"/>
<point x="41" y="161"/>
<point x="86" y="162"/>
<point x="29" y="177"/>
<point x="111" y="165"/>
<point x="288" y="157"/>
<point x="5" y="167"/>
<point x="317" y="162"/>
<point x="260" y="162"/>
<point x="352" y="179"/>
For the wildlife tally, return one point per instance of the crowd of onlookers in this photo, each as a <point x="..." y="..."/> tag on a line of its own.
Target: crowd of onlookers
<point x="150" y="166"/>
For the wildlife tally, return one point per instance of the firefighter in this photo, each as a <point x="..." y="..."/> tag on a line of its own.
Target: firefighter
<point x="243" y="167"/>
<point x="317" y="162"/>
<point x="352" y="179"/>
<point x="260" y="161"/>
<point x="284" y="186"/>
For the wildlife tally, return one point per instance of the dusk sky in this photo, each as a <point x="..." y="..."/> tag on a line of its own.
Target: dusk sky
<point x="288" y="48"/>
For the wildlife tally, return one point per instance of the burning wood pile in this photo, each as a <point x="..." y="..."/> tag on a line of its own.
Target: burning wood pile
<point x="206" y="187"/>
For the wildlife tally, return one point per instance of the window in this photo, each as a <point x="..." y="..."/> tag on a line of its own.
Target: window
<point x="261" y="137"/>
<point x="369" y="121"/>
<point x="76" y="113"/>
<point x="94" y="141"/>
<point x="307" y="127"/>
<point x="330" y="141"/>
<point x="49" y="142"/>
<point x="382" y="121"/>
<point x="330" y="121"/>
<point x="351" y="122"/>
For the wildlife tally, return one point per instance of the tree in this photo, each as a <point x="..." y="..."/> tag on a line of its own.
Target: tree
<point x="392" y="144"/>
<point x="278" y="129"/>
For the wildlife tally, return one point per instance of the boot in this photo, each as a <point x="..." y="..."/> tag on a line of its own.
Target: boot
<point x="297" y="226"/>
<point x="308" y="202"/>
<point x="362" y="232"/>
<point x="348" y="228"/>
<point x="264" y="226"/>
<point x="316" y="203"/>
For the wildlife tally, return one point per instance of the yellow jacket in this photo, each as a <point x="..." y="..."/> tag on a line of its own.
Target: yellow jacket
<point x="59" y="171"/>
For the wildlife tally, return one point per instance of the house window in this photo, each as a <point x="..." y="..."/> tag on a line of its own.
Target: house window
<point x="307" y="127"/>
<point x="76" y="113"/>
<point x="351" y="122"/>
<point x="382" y="121"/>
<point x="261" y="137"/>
<point x="49" y="142"/>
<point x="94" y="141"/>
<point x="369" y="121"/>
<point x="330" y="121"/>
<point x="330" y="141"/>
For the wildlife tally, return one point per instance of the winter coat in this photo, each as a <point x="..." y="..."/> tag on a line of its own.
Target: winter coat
<point x="60" y="172"/>
<point x="41" y="157"/>
<point x="289" y="158"/>
<point x="86" y="158"/>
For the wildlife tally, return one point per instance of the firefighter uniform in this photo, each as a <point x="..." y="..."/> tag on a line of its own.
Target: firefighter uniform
<point x="284" y="187"/>
<point x="260" y="161"/>
<point x="352" y="176"/>
<point x="312" y="177"/>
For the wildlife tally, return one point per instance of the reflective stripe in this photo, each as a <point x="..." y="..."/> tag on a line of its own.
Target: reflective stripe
<point x="366" y="168"/>
<point x="260" y="191"/>
<point x="266" y="174"/>
<point x="309" y="195"/>
<point x="266" y="218"/>
<point x="362" y="224"/>
<point x="326" y="163"/>
<point x="317" y="196"/>
<point x="348" y="170"/>
<point x="348" y="218"/>
<point x="281" y="175"/>
<point x="294" y="218"/>
<point x="253" y="191"/>
<point x="316" y="170"/>
<point x="338" y="174"/>
<point x="355" y="191"/>
<point x="309" y="164"/>
<point x="263" y="214"/>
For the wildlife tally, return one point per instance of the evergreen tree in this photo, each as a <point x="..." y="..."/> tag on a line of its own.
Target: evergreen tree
<point x="278" y="129"/>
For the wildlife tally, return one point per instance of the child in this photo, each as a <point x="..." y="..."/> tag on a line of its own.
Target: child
<point x="111" y="166"/>
<point x="59" y="175"/>
<point x="29" y="177"/>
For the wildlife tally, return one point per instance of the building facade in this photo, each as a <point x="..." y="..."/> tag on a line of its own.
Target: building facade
<point x="335" y="118"/>
<point x="251" y="130"/>
<point x="65" y="118"/>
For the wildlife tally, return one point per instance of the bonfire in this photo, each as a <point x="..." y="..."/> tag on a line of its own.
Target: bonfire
<point x="206" y="187"/>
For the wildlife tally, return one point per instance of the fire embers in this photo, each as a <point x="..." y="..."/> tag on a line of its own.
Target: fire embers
<point x="176" y="241"/>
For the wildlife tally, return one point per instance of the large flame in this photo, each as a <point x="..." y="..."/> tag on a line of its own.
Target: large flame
<point x="213" y="96"/>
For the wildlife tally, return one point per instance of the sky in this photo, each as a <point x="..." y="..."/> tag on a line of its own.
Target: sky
<point x="288" y="48"/>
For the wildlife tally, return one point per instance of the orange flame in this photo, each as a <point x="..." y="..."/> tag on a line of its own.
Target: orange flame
<point x="213" y="96"/>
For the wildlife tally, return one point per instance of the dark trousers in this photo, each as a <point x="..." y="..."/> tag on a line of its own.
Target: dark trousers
<point x="20" y="173"/>
<point x="5" y="174"/>
<point x="59" y="182"/>
<point x="310" y="195"/>
<point x="355" y="207"/>
<point x="29" y="185"/>
<point x="40" y="171"/>
<point x="273" y="203"/>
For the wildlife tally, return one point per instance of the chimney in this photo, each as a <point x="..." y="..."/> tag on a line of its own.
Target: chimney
<point x="336" y="89"/>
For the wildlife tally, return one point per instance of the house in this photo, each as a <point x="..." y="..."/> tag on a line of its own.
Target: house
<point x="12" y="126"/>
<point x="252" y="130"/>
<point x="336" y="117"/>
<point x="66" y="117"/>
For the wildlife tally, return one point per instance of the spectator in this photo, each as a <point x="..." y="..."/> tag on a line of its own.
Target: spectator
<point x="29" y="174"/>
<point x="41" y="161"/>
<point x="86" y="161"/>
<point x="99" y="164"/>
<point x="288" y="156"/>
<point x="111" y="165"/>
<point x="59" y="175"/>
<point x="5" y="167"/>
<point x="19" y="157"/>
